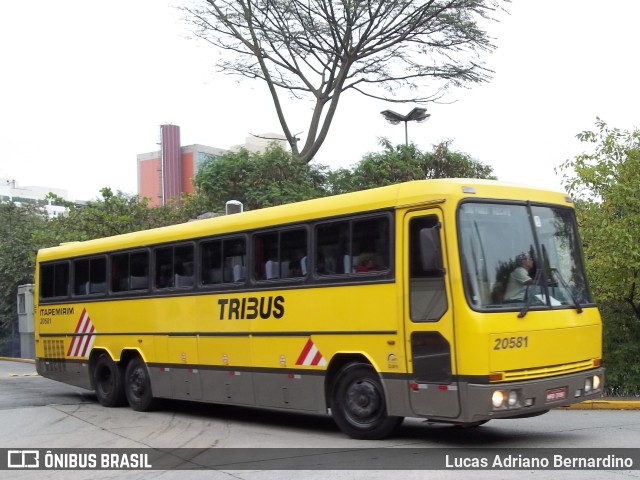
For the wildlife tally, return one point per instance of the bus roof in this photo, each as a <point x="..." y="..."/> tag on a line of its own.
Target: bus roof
<point x="403" y="194"/>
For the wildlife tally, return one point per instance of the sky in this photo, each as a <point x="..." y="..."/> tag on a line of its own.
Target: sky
<point x="85" y="86"/>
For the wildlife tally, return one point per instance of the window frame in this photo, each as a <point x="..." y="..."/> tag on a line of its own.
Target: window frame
<point x="173" y="246"/>
<point x="355" y="276"/>
<point x="223" y="284"/>
<point x="55" y="263"/>
<point x="72" y="281"/>
<point x="129" y="290"/>
<point x="279" y="232"/>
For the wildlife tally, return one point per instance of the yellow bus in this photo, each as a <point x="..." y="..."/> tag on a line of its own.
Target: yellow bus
<point x="454" y="300"/>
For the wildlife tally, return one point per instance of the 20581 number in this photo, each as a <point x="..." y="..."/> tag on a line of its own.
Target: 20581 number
<point x="510" y="342"/>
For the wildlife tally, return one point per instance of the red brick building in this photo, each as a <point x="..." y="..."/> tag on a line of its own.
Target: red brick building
<point x="168" y="173"/>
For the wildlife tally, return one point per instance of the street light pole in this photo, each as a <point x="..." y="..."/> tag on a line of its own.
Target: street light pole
<point x="416" y="115"/>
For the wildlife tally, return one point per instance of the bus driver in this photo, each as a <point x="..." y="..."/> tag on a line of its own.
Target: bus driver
<point x="519" y="279"/>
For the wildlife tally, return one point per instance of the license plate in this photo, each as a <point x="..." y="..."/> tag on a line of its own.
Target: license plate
<point x="556" y="394"/>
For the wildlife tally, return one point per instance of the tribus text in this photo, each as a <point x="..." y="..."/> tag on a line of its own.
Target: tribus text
<point x="251" y="308"/>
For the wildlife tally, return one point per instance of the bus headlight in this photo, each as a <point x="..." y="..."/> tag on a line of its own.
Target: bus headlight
<point x="588" y="385"/>
<point x="513" y="398"/>
<point x="498" y="398"/>
<point x="596" y="382"/>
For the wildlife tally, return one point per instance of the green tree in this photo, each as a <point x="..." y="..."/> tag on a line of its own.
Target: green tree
<point x="17" y="259"/>
<point x="621" y="348"/>
<point x="112" y="214"/>
<point x="402" y="163"/>
<point x="605" y="183"/>
<point x="259" y="180"/>
<point x="319" y="50"/>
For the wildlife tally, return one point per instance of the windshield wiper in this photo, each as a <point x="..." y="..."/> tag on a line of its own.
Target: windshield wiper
<point x="527" y="304"/>
<point x="576" y="303"/>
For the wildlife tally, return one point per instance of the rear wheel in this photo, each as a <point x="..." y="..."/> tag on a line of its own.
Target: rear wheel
<point x="358" y="404"/>
<point x="137" y="385"/>
<point x="107" y="381"/>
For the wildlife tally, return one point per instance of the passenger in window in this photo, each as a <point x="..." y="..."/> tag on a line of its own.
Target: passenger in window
<point x="366" y="263"/>
<point x="519" y="279"/>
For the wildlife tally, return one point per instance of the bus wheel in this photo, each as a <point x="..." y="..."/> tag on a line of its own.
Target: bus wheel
<point x="137" y="385"/>
<point x="358" y="404"/>
<point x="107" y="382"/>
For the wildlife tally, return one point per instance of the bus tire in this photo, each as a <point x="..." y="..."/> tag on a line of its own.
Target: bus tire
<point x="107" y="382"/>
<point x="358" y="404"/>
<point x="137" y="386"/>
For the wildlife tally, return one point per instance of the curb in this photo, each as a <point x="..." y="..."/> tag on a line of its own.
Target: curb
<point x="605" y="404"/>
<point x="22" y="360"/>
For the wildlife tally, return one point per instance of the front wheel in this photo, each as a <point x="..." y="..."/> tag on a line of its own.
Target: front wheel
<point x="137" y="386"/>
<point x="358" y="404"/>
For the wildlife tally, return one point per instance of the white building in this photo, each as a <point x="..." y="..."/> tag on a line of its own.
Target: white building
<point x="259" y="143"/>
<point x="10" y="191"/>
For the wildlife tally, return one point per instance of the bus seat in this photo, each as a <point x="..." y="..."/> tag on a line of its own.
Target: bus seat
<point x="271" y="269"/>
<point x="285" y="272"/>
<point x="82" y="289"/>
<point x="97" y="287"/>
<point x="348" y="266"/>
<point x="139" y="282"/>
<point x="239" y="273"/>
<point x="215" y="275"/>
<point x="184" y="280"/>
<point x="303" y="265"/>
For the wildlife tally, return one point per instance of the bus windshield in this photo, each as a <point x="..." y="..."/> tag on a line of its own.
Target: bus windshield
<point x="517" y="256"/>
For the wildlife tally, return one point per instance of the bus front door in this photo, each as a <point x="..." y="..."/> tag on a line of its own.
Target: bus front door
<point x="429" y="318"/>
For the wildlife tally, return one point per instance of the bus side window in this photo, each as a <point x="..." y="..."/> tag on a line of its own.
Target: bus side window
<point x="183" y="267"/>
<point x="174" y="267"/>
<point x="265" y="256"/>
<point x="211" y="262"/>
<point x="234" y="258"/>
<point x="81" y="277"/>
<point x="98" y="275"/>
<point x="164" y="267"/>
<point x="89" y="276"/>
<point x="139" y="263"/>
<point x="332" y="248"/>
<point x="352" y="246"/>
<point x="54" y="280"/>
<point x="130" y="271"/>
<point x="293" y="249"/>
<point x="279" y="254"/>
<point x="120" y="272"/>
<point x="427" y="294"/>
<point x="370" y="246"/>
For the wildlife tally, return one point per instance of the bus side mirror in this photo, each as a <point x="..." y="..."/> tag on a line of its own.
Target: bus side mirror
<point x="430" y="251"/>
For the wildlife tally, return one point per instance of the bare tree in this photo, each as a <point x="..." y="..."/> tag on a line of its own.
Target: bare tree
<point x="322" y="48"/>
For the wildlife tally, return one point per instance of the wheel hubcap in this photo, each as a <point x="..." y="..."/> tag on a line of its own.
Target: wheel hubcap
<point x="137" y="382"/>
<point x="363" y="401"/>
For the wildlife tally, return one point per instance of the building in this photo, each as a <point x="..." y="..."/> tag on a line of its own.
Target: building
<point x="166" y="174"/>
<point x="259" y="143"/>
<point x="10" y="191"/>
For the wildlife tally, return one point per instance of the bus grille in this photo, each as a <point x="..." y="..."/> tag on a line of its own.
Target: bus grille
<point x="540" y="372"/>
<point x="54" y="356"/>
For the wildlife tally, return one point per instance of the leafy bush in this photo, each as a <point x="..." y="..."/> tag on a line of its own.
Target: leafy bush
<point x="621" y="349"/>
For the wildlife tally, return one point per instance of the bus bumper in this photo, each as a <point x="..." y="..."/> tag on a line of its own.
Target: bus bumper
<point x="528" y="398"/>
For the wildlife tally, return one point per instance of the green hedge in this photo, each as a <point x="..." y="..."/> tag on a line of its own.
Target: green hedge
<point x="621" y="349"/>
